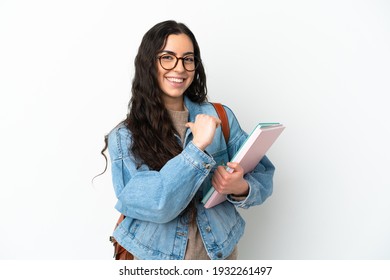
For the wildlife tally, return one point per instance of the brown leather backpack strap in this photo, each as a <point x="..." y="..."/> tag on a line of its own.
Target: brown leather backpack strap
<point x="224" y="119"/>
<point x="120" y="253"/>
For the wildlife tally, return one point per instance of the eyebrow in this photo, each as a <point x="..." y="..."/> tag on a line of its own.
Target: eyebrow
<point x="171" y="52"/>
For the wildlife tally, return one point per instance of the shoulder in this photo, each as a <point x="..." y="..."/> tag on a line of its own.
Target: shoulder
<point x="229" y="112"/>
<point x="119" y="139"/>
<point x="209" y="108"/>
<point x="206" y="108"/>
<point x="236" y="131"/>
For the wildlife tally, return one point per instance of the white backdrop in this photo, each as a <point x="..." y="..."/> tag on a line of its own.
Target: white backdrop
<point x="320" y="67"/>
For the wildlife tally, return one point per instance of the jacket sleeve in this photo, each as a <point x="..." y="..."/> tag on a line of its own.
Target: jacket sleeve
<point x="155" y="196"/>
<point x="260" y="180"/>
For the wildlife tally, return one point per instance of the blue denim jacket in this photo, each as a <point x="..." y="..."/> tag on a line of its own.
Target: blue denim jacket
<point x="153" y="201"/>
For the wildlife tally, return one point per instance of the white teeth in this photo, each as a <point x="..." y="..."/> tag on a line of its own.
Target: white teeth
<point x="175" y="80"/>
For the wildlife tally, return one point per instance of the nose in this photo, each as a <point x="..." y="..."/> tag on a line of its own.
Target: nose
<point x="179" y="65"/>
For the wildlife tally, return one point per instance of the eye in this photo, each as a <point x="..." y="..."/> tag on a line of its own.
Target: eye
<point x="167" y="57"/>
<point x="189" y="59"/>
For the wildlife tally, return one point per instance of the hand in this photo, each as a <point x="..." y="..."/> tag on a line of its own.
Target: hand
<point x="230" y="183"/>
<point x="203" y="130"/>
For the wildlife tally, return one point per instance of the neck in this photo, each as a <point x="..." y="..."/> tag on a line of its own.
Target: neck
<point x="176" y="104"/>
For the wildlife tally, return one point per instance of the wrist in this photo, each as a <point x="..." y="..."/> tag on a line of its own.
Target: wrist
<point x="243" y="191"/>
<point x="198" y="145"/>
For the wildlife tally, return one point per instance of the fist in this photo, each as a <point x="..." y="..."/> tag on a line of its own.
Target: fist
<point x="203" y="130"/>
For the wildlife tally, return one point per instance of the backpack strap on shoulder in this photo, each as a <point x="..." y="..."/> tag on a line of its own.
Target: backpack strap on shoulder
<point x="224" y="119"/>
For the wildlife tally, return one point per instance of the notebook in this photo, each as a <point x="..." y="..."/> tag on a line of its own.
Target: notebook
<point x="249" y="155"/>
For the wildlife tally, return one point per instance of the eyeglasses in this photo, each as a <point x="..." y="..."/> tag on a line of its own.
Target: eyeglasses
<point x="169" y="61"/>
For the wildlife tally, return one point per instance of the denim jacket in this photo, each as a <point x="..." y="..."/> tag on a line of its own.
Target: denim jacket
<point x="153" y="201"/>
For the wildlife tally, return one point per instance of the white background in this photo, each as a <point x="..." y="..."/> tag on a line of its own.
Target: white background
<point x="319" y="67"/>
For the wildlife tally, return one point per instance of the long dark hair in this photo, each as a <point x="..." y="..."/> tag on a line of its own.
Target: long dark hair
<point x="148" y="119"/>
<point x="153" y="140"/>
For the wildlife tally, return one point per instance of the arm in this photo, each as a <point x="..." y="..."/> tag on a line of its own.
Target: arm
<point x="156" y="196"/>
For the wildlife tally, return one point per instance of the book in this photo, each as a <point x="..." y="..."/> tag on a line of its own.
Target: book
<point x="248" y="156"/>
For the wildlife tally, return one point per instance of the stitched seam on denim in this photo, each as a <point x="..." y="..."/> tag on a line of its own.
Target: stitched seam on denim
<point x="195" y="163"/>
<point x="118" y="144"/>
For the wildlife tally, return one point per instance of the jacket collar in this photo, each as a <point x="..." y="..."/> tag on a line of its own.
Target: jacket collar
<point x="193" y="108"/>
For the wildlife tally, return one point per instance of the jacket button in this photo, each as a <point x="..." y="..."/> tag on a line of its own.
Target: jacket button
<point x="219" y="255"/>
<point x="208" y="229"/>
<point x="207" y="165"/>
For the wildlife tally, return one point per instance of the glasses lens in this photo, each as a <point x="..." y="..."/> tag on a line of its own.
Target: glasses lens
<point x="168" y="61"/>
<point x="189" y="63"/>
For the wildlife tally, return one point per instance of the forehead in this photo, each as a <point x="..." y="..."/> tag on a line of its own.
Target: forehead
<point x="179" y="44"/>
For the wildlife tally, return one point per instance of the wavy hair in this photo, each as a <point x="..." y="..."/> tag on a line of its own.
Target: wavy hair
<point x="148" y="120"/>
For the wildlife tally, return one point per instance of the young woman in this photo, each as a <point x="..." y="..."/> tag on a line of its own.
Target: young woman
<point x="170" y="150"/>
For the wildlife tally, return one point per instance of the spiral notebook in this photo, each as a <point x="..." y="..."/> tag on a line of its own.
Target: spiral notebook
<point x="249" y="155"/>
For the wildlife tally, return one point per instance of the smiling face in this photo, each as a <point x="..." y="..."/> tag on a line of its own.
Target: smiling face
<point x="175" y="82"/>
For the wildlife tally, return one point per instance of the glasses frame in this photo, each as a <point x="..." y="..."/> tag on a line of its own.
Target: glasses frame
<point x="197" y="61"/>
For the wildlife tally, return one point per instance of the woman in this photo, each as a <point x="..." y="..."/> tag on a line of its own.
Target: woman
<point x="170" y="150"/>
